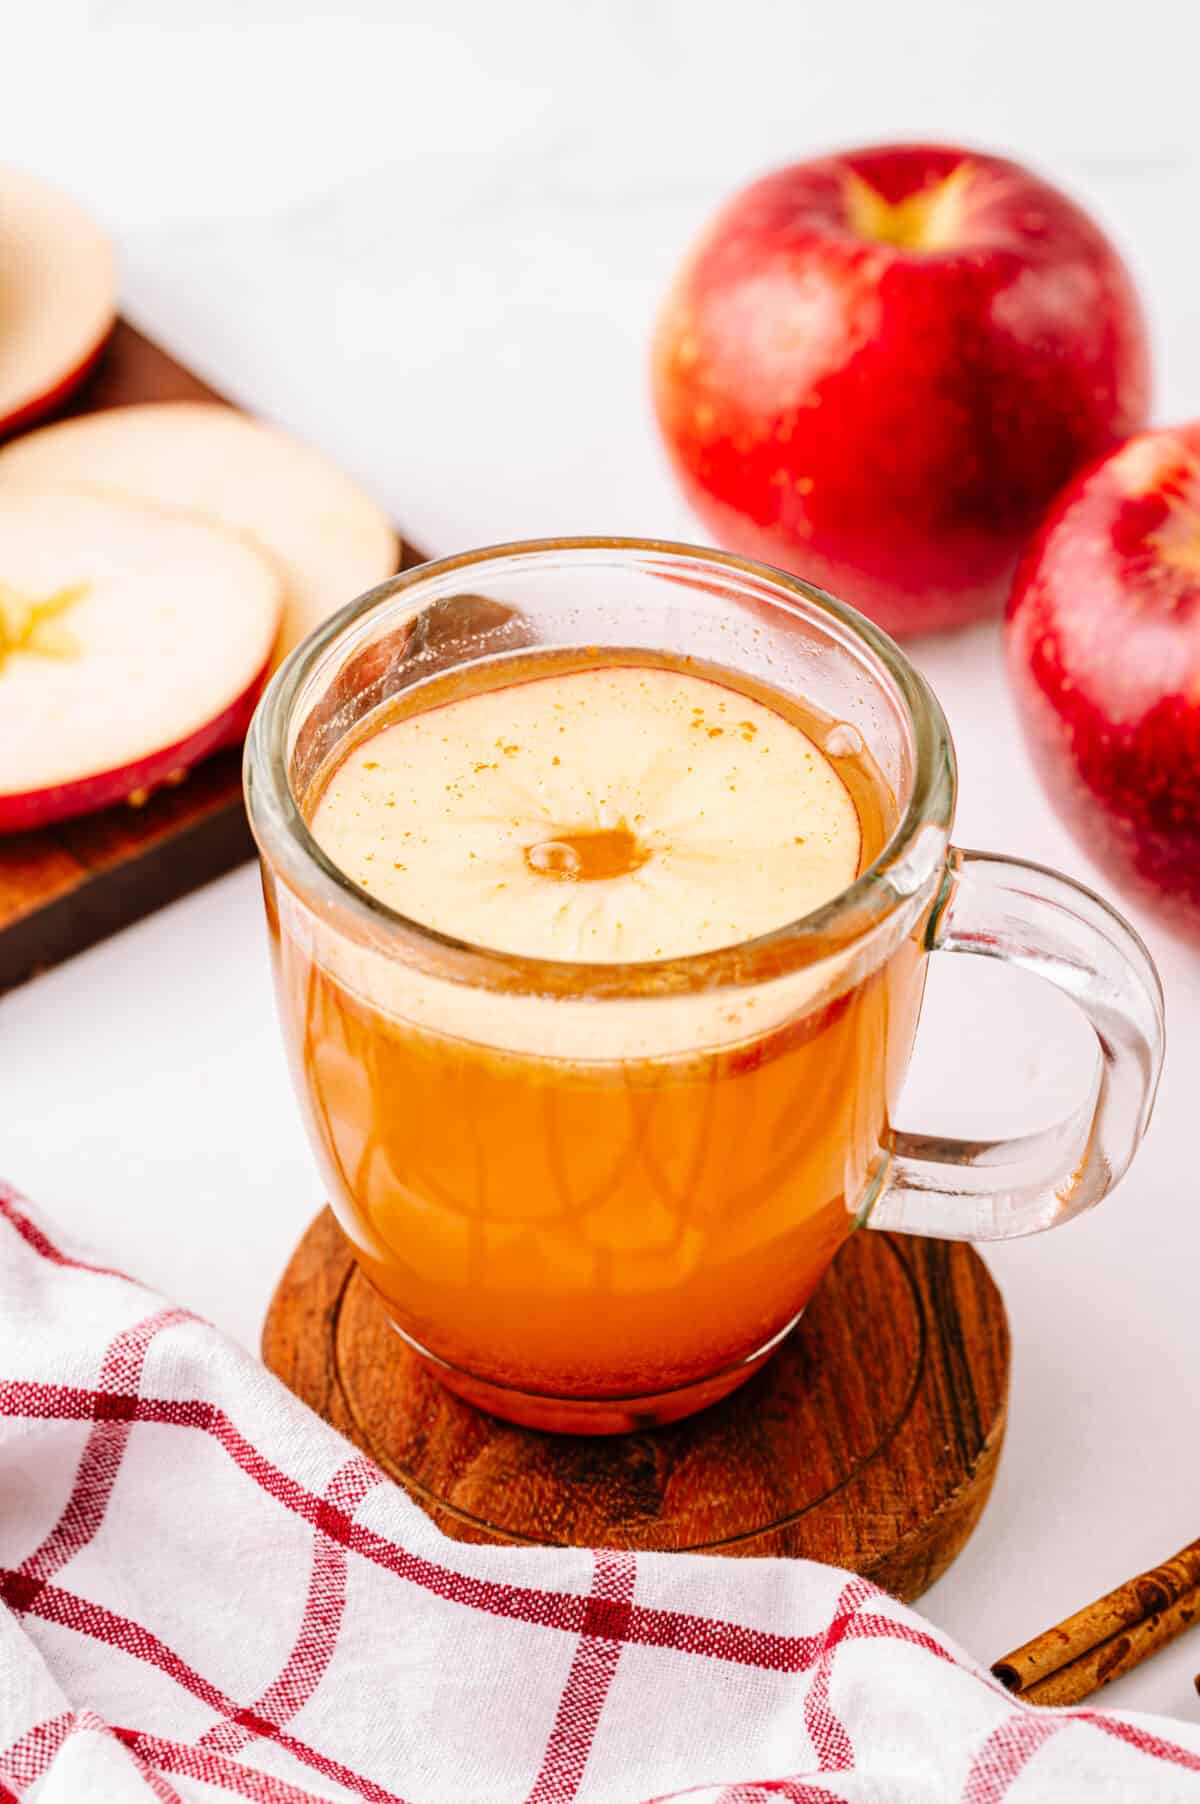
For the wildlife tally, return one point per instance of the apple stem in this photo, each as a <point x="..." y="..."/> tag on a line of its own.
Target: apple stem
<point x="929" y="219"/>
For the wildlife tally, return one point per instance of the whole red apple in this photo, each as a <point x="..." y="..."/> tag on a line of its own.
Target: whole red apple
<point x="1104" y="655"/>
<point x="877" y="370"/>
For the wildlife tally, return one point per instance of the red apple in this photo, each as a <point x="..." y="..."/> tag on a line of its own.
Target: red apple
<point x="1104" y="655"/>
<point x="877" y="369"/>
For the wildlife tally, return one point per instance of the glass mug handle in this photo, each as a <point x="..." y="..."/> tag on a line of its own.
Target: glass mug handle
<point x="1042" y="922"/>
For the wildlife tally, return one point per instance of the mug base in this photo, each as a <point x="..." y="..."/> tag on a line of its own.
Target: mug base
<point x="593" y="1415"/>
<point x="870" y="1438"/>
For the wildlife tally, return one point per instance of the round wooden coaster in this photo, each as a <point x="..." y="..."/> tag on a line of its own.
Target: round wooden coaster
<point x="869" y="1441"/>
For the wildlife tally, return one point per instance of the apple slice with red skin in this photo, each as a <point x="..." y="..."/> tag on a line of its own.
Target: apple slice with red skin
<point x="58" y="296"/>
<point x="330" y="539"/>
<point x="877" y="369"/>
<point x="134" y="641"/>
<point x="1103" y="640"/>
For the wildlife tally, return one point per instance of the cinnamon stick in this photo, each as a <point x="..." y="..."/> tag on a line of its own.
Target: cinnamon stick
<point x="1105" y="1639"/>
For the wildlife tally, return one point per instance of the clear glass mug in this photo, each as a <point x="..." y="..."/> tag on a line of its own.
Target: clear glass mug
<point x="597" y="1196"/>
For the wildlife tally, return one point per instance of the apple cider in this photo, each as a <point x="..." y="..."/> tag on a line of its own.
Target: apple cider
<point x="568" y="1199"/>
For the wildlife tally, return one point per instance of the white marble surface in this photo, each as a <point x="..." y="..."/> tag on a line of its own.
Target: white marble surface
<point x="432" y="238"/>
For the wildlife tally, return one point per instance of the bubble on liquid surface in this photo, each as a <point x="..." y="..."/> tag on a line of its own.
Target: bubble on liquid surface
<point x="553" y="858"/>
<point x="843" y="741"/>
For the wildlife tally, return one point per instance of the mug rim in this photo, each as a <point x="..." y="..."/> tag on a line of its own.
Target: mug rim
<point x="288" y="848"/>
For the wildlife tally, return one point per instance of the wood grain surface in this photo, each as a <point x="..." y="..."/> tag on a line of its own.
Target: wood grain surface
<point x="65" y="887"/>
<point x="870" y="1441"/>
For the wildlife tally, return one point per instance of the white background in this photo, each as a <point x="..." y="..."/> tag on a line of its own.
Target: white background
<point x="432" y="237"/>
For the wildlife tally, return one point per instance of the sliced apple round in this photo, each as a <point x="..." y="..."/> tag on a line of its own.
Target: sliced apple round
<point x="134" y="640"/>
<point x="330" y="539"/>
<point x="58" y="296"/>
<point x="609" y="814"/>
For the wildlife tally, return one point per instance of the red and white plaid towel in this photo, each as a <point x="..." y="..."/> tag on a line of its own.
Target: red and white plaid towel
<point x="207" y="1594"/>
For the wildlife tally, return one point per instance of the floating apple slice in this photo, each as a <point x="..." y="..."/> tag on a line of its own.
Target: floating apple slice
<point x="607" y="814"/>
<point x="58" y="296"/>
<point x="331" y="540"/>
<point x="134" y="640"/>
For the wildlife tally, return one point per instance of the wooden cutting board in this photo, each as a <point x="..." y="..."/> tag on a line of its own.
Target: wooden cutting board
<point x="869" y="1441"/>
<point x="65" y="887"/>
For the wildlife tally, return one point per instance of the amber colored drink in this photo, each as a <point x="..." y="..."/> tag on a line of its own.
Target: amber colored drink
<point x="584" y="1219"/>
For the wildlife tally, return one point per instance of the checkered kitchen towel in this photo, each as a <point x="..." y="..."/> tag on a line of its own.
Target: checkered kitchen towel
<point x="206" y="1594"/>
